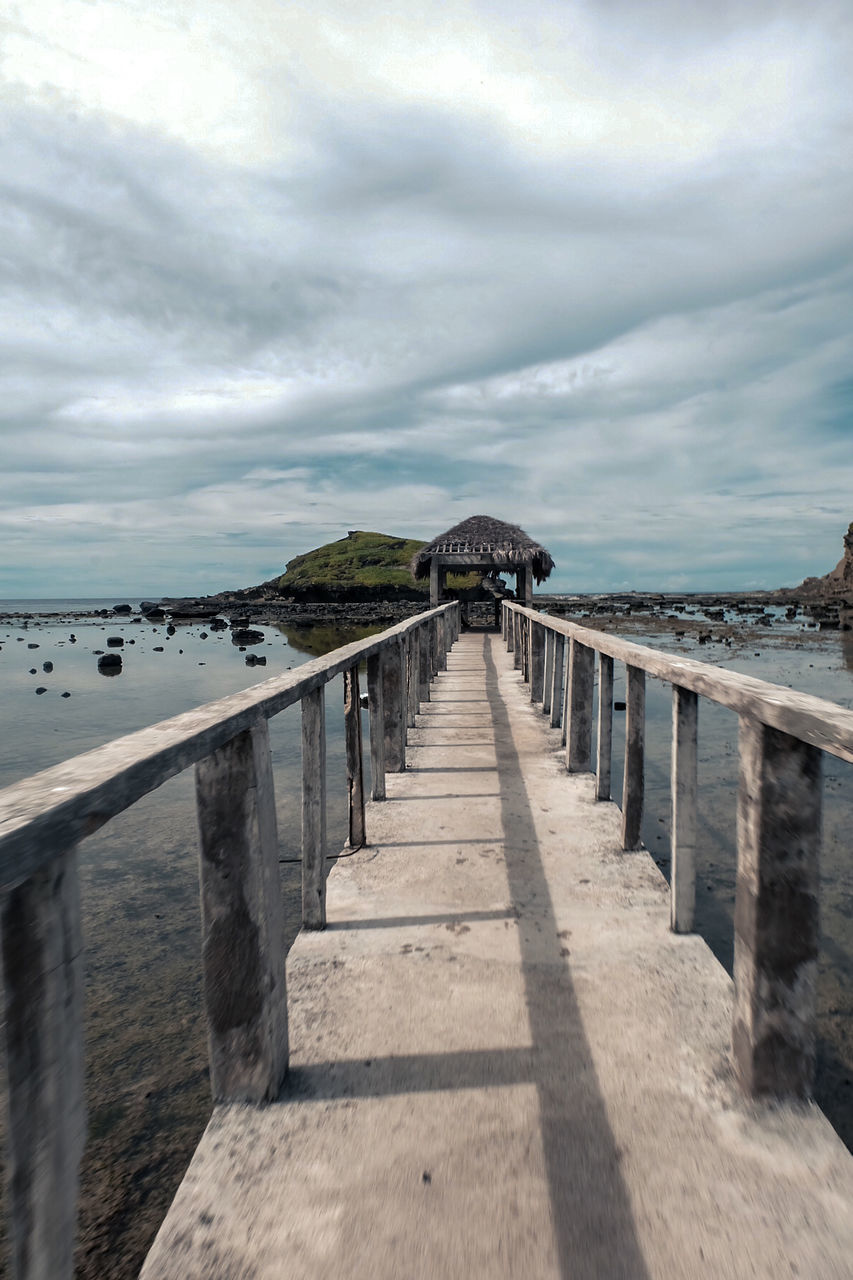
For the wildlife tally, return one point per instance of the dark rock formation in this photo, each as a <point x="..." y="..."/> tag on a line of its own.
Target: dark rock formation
<point x="835" y="584"/>
<point x="109" y="664"/>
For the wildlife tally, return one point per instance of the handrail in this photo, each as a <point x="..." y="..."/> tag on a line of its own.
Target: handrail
<point x="73" y="799"/>
<point x="782" y="734"/>
<point x="43" y="818"/>
<point x="815" y="720"/>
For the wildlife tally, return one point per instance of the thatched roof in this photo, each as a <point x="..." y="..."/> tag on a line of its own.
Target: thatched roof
<point x="507" y="546"/>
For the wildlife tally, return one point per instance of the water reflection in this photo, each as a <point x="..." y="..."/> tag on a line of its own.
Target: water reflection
<point x="316" y="641"/>
<point x="847" y="649"/>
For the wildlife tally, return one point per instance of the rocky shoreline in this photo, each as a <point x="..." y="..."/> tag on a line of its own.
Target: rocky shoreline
<point x="714" y="615"/>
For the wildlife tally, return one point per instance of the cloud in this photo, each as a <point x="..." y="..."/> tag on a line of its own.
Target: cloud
<point x="269" y="275"/>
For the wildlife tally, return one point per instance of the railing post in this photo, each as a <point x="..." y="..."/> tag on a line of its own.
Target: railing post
<point x="241" y="918"/>
<point x="557" y="673"/>
<point x="393" y="669"/>
<point x="548" y="674"/>
<point x="355" y="760"/>
<point x="314" y="809"/>
<point x="580" y="681"/>
<point x="517" y="640"/>
<point x="634" y="776"/>
<point x="604" y="748"/>
<point x="525" y="649"/>
<point x="43" y="1007"/>
<point x="504" y="626"/>
<point x="412" y="677"/>
<point x="684" y="784"/>
<point x="441" y="645"/>
<point x="537" y="644"/>
<point x="567" y="695"/>
<point x="776" y="911"/>
<point x="433" y="648"/>
<point x="423" y="662"/>
<point x="377" y="725"/>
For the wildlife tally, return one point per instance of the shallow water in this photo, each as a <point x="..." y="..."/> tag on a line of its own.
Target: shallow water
<point x="148" y="1095"/>
<point x="146" y="1054"/>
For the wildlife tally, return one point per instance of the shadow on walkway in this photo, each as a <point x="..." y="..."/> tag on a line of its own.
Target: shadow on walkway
<point x="593" y="1222"/>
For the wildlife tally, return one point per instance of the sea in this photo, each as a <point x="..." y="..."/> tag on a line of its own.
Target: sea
<point x="146" y="1057"/>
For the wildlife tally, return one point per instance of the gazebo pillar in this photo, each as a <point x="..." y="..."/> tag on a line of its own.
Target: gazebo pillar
<point x="524" y="585"/>
<point x="437" y="581"/>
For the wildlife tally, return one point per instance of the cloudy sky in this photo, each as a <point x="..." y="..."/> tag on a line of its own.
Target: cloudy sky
<point x="272" y="271"/>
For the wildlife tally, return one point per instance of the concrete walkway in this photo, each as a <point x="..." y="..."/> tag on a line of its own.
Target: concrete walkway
<point x="503" y="1062"/>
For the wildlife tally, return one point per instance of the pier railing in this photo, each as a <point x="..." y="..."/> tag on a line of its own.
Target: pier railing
<point x="782" y="735"/>
<point x="43" y="819"/>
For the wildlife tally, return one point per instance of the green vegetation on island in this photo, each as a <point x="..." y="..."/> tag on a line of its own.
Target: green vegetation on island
<point x="361" y="566"/>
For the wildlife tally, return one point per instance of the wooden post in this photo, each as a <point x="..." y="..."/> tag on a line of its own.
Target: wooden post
<point x="355" y="760"/>
<point x="314" y="809"/>
<point x="556" y="679"/>
<point x="377" y="726"/>
<point x="441" y="645"/>
<point x="423" y="662"/>
<point x="567" y="694"/>
<point x="776" y="912"/>
<point x="43" y="1007"/>
<point x="580" y="682"/>
<point x="517" y="640"/>
<point x="604" y="749"/>
<point x="393" y="667"/>
<point x="434" y="582"/>
<point x="634" y="776"/>
<point x="537" y="645"/>
<point x="525" y="649"/>
<point x="241" y="919"/>
<point x="433" y="648"/>
<point x="504" y="626"/>
<point x="684" y="785"/>
<point x="413" y="649"/>
<point x="548" y="675"/>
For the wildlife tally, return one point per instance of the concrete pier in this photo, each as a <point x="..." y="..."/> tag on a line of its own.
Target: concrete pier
<point x="503" y="1061"/>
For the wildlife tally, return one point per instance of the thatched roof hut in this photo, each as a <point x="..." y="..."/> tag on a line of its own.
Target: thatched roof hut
<point x="481" y="542"/>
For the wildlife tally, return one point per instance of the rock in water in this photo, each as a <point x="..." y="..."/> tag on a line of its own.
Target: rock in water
<point x="109" y="664"/>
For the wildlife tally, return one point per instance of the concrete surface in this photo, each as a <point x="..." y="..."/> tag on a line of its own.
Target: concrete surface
<point x="503" y="1063"/>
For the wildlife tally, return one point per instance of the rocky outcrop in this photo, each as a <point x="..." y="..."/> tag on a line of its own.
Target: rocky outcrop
<point x="835" y="584"/>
